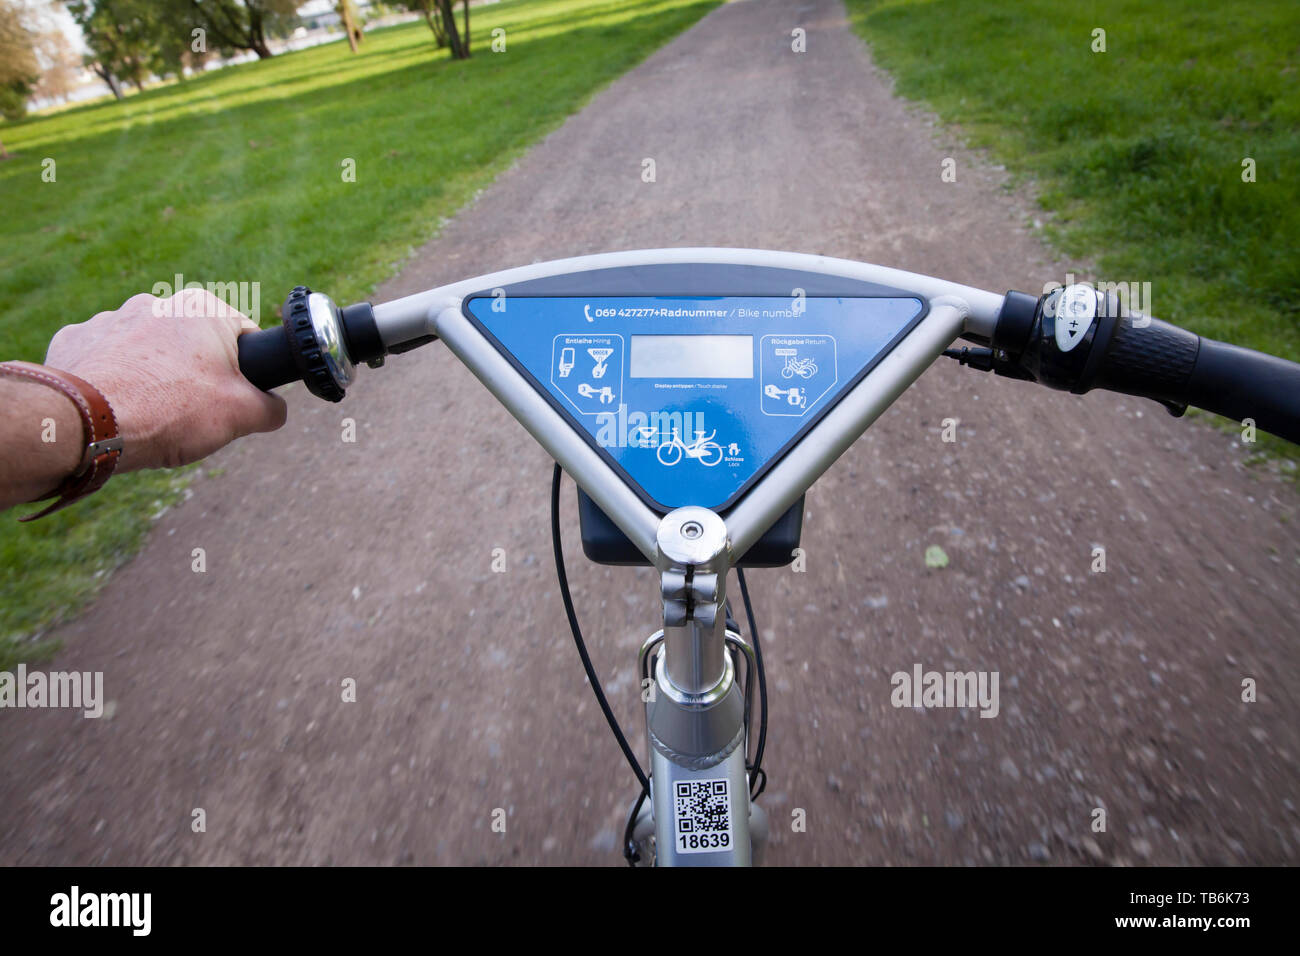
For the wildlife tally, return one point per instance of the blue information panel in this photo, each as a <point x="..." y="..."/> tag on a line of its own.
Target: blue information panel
<point x="693" y="397"/>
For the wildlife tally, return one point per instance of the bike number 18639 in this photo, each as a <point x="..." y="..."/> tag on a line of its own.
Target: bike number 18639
<point x="702" y="815"/>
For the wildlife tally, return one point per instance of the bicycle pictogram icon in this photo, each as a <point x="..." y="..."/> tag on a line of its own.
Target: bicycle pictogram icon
<point x="703" y="449"/>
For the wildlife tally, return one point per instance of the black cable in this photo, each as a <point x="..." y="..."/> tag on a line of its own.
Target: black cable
<point x="630" y="852"/>
<point x="760" y="786"/>
<point x="749" y="694"/>
<point x="757" y="770"/>
<point x="577" y="635"/>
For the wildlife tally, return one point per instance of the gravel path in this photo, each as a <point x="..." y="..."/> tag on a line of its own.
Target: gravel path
<point x="372" y="561"/>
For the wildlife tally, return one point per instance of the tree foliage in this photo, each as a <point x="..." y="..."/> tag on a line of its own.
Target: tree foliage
<point x="60" y="65"/>
<point x="239" y="24"/>
<point x="19" y="70"/>
<point x="125" y="39"/>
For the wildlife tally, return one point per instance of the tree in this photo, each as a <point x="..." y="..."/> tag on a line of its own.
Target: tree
<point x="433" y="17"/>
<point x="348" y="14"/>
<point x="239" y="24"/>
<point x="19" y="70"/>
<point x="440" y="15"/>
<point x="59" y="63"/>
<point x="123" y="36"/>
<point x="456" y="41"/>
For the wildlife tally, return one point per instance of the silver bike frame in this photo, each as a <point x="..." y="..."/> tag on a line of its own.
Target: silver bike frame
<point x="695" y="718"/>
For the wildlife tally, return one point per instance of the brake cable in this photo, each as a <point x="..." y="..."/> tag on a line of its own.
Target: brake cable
<point x="756" y="768"/>
<point x="759" y="777"/>
<point x="586" y="659"/>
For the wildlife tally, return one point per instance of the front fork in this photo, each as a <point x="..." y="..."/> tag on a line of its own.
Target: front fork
<point x="695" y="710"/>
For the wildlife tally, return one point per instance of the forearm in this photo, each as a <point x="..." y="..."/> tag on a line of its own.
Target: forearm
<point x="42" y="438"/>
<point x="154" y="384"/>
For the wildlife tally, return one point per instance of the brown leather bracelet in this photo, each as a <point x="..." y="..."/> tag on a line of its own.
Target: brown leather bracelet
<point x="103" y="443"/>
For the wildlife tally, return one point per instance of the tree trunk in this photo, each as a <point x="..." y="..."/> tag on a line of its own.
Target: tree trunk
<point x="3" y="153"/>
<point x="434" y="19"/>
<point x="458" y="49"/>
<point x="257" y="36"/>
<point x="109" y="80"/>
<point x="345" y="9"/>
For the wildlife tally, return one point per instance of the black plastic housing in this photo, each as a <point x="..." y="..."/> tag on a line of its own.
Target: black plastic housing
<point x="1139" y="355"/>
<point x="1120" y="352"/>
<point x="604" y="543"/>
<point x="364" y="343"/>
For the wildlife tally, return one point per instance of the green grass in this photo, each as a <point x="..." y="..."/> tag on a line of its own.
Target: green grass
<point x="237" y="176"/>
<point x="1136" y="151"/>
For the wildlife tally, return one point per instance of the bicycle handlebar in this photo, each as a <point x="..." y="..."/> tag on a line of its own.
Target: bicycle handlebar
<point x="1241" y="384"/>
<point x="266" y="360"/>
<point x="1173" y="366"/>
<point x="1077" y="339"/>
<point x="317" y="342"/>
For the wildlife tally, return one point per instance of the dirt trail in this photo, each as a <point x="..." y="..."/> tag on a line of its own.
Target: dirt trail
<point x="372" y="560"/>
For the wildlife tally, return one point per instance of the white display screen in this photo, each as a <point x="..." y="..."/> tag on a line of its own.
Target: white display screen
<point x="692" y="356"/>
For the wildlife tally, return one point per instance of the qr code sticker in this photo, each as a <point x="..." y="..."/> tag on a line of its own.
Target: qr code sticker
<point x="702" y="809"/>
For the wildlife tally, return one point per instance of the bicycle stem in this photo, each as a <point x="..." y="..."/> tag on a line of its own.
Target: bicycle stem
<point x="693" y="560"/>
<point x="695" y="713"/>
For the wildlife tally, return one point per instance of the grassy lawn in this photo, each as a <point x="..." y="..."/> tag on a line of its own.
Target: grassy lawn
<point x="236" y="176"/>
<point x="1137" y="152"/>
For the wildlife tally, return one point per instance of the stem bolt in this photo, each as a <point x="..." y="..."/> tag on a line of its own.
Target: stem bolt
<point x="692" y="529"/>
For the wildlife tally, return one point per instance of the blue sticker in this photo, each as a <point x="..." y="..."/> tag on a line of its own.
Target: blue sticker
<point x="694" y="396"/>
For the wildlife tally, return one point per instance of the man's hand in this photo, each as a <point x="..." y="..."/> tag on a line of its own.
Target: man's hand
<point x="170" y="369"/>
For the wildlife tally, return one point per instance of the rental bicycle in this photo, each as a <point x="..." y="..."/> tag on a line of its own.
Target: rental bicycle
<point x="689" y="341"/>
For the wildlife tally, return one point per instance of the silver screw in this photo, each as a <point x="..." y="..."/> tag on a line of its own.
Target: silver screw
<point x="692" y="529"/>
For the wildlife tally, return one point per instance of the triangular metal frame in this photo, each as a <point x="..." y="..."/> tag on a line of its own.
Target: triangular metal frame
<point x="952" y="310"/>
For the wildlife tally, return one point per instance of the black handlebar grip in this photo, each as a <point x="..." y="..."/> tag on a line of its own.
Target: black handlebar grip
<point x="1144" y="357"/>
<point x="1138" y="355"/>
<point x="1241" y="384"/>
<point x="1153" y="359"/>
<point x="266" y="359"/>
